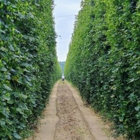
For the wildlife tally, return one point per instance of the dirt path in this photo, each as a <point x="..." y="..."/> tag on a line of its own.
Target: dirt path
<point x="67" y="118"/>
<point x="71" y="124"/>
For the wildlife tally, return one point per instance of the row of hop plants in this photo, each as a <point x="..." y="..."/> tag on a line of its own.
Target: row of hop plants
<point x="28" y="64"/>
<point x="104" y="61"/>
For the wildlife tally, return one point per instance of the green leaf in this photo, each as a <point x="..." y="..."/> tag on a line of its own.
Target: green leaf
<point x="3" y="69"/>
<point x="20" y="111"/>
<point x="10" y="101"/>
<point x="2" y="122"/>
<point x="7" y="87"/>
<point x="137" y="108"/>
<point x="23" y="96"/>
<point x="11" y="47"/>
<point x="17" y="136"/>
<point x="8" y="77"/>
<point x="6" y="97"/>
<point x="25" y="64"/>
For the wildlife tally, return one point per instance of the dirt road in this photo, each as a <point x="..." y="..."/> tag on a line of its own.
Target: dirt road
<point x="67" y="118"/>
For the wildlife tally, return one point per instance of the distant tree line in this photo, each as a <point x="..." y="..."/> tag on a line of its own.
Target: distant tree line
<point x="62" y="65"/>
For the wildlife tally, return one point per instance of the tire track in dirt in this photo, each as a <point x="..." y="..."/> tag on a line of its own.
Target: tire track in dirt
<point x="71" y="124"/>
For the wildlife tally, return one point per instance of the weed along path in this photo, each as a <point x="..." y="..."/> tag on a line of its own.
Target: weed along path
<point x="67" y="118"/>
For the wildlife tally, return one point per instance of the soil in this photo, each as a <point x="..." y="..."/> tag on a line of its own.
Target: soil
<point x="66" y="117"/>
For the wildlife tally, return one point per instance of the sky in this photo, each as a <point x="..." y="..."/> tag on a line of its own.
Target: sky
<point x="64" y="12"/>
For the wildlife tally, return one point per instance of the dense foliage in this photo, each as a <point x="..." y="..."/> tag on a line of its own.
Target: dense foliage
<point x="28" y="64"/>
<point x="104" y="61"/>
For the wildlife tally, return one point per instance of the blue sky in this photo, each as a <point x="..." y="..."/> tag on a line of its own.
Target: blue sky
<point x="64" y="16"/>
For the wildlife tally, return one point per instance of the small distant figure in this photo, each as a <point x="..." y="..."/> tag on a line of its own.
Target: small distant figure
<point x="63" y="78"/>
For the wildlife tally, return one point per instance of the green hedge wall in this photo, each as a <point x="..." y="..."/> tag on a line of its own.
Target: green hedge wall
<point x="28" y="64"/>
<point x="104" y="61"/>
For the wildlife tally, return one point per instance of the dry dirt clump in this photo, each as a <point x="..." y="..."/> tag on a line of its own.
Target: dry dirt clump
<point x="71" y="124"/>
